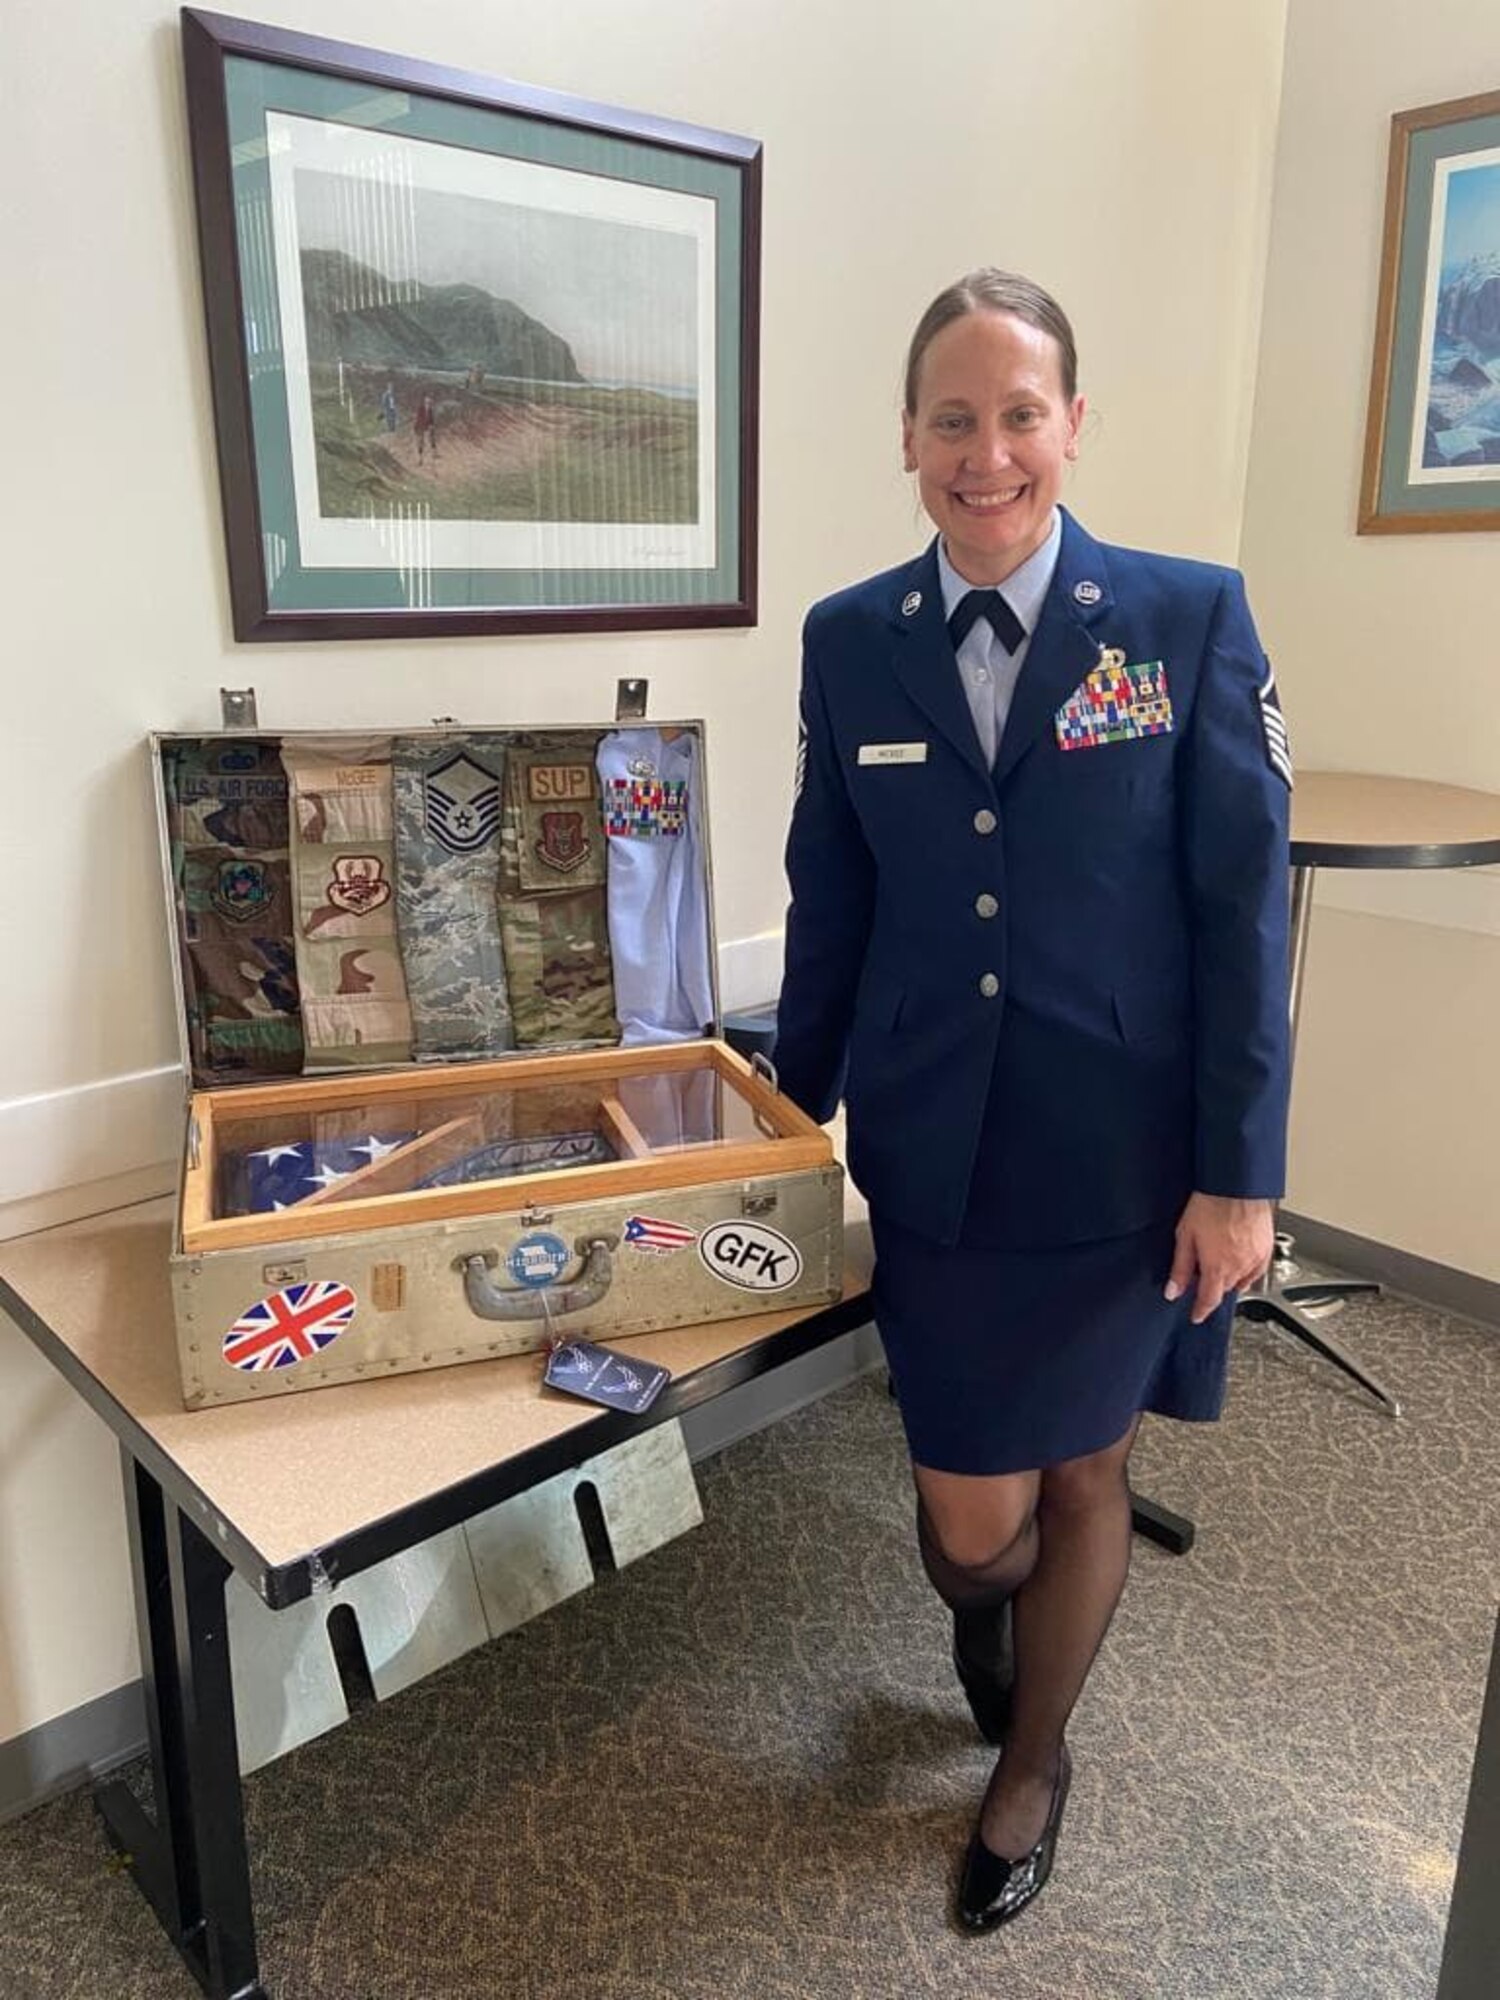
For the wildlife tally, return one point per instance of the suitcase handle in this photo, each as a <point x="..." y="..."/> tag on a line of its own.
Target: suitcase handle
<point x="586" y="1287"/>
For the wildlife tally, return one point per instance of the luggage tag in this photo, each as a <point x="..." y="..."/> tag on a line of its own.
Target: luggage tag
<point x="600" y="1374"/>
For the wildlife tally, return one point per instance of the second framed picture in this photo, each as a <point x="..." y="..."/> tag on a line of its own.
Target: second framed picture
<point x="1432" y="443"/>
<point x="484" y="357"/>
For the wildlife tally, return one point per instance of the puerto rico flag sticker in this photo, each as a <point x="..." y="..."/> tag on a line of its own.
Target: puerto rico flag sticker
<point x="290" y="1325"/>
<point x="656" y="1236"/>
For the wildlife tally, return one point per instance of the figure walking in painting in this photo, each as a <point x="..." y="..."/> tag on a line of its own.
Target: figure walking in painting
<point x="424" y="423"/>
<point x="388" y="407"/>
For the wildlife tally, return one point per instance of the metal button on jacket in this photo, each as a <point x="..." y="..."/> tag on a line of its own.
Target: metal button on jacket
<point x="989" y="986"/>
<point x="986" y="905"/>
<point x="984" y="820"/>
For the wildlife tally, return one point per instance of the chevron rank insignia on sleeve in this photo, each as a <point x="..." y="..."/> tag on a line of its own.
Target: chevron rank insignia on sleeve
<point x="801" y="775"/>
<point x="1273" y="723"/>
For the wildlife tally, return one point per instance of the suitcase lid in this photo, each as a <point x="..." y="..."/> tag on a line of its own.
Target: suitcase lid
<point x="309" y="874"/>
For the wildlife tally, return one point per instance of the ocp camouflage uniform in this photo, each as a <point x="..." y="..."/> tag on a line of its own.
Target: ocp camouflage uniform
<point x="354" y="1005"/>
<point x="447" y="822"/>
<point x="227" y="825"/>
<point x="553" y="918"/>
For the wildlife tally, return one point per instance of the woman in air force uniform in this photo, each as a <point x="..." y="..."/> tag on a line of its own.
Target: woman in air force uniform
<point x="1038" y="943"/>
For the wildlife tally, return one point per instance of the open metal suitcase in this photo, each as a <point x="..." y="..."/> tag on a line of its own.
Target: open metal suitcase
<point x="449" y="1012"/>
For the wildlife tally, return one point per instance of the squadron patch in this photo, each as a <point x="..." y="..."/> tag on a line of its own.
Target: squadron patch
<point x="359" y="884"/>
<point x="242" y="890"/>
<point x="461" y="804"/>
<point x="1115" y="703"/>
<point x="564" y="844"/>
<point x="1273" y="723"/>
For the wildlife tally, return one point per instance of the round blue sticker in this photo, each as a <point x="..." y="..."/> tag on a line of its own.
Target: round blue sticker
<point x="537" y="1260"/>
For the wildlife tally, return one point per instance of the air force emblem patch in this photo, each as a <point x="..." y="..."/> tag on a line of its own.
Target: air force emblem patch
<point x="461" y="803"/>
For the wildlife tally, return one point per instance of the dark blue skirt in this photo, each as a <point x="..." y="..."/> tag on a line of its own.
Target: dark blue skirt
<point x="1010" y="1360"/>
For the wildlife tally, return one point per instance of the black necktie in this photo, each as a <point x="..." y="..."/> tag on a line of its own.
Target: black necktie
<point x="989" y="604"/>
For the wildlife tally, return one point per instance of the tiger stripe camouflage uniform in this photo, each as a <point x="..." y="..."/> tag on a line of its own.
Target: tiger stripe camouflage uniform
<point x="658" y="887"/>
<point x="227" y="826"/>
<point x="553" y="919"/>
<point x="354" y="1005"/>
<point x="447" y="811"/>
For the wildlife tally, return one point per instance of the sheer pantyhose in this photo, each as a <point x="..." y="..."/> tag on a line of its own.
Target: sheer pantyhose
<point x="1057" y="1544"/>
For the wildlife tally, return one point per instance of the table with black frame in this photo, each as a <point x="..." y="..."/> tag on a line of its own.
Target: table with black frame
<point x="295" y="1494"/>
<point x="299" y="1494"/>
<point x="1356" y="819"/>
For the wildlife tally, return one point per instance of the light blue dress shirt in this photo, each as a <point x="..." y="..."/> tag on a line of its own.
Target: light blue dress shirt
<point x="988" y="672"/>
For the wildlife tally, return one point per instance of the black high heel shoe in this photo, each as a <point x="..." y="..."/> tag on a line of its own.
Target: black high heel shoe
<point x="993" y="1890"/>
<point x="984" y="1660"/>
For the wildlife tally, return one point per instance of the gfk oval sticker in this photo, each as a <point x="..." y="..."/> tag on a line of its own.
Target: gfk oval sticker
<point x="751" y="1256"/>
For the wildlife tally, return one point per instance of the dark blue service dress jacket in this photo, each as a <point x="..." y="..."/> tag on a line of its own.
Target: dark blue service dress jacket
<point x="1053" y="994"/>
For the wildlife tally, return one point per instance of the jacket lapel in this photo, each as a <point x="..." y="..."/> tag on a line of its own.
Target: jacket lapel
<point x="922" y="657"/>
<point x="1064" y="646"/>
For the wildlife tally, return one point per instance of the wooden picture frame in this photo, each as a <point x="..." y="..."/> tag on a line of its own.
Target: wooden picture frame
<point x="1432" y="439"/>
<point x="484" y="357"/>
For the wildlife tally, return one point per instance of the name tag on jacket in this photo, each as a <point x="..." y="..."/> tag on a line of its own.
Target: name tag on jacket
<point x="1115" y="703"/>
<point x="893" y="753"/>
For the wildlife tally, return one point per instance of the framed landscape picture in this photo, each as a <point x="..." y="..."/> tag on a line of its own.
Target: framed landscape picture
<point x="1432" y="443"/>
<point x="484" y="357"/>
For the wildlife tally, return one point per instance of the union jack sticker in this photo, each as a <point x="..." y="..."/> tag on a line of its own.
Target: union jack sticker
<point x="289" y="1326"/>
<point x="1273" y="722"/>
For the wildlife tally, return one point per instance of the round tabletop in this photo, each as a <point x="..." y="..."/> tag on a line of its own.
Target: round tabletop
<point x="1355" y="819"/>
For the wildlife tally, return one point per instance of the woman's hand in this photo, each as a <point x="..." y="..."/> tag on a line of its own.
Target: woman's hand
<point x="1224" y="1243"/>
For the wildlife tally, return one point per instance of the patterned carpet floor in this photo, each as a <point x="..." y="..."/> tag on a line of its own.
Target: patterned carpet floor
<point x="741" y="1767"/>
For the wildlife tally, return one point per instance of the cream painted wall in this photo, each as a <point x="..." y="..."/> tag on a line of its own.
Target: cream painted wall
<point x="1071" y="138"/>
<point x="1385" y="650"/>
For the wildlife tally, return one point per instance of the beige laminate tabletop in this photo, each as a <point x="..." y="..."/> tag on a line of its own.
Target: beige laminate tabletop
<point x="1357" y="819"/>
<point x="282" y="1478"/>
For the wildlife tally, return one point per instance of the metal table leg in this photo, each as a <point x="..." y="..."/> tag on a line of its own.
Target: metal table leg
<point x="1273" y="1302"/>
<point x="188" y="1858"/>
<point x="1173" y="1532"/>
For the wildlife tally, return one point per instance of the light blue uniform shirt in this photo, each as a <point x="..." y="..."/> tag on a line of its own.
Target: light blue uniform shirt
<point x="988" y="672"/>
<point x="658" y="890"/>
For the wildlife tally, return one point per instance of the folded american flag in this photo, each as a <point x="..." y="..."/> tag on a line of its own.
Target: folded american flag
<point x="280" y="1176"/>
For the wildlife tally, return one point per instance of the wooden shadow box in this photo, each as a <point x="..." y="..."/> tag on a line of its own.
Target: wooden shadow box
<point x="370" y="1219"/>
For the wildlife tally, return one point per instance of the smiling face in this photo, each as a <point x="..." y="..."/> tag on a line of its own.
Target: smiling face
<point x="989" y="439"/>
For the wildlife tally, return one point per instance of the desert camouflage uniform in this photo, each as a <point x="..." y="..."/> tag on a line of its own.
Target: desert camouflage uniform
<point x="447" y="806"/>
<point x="227" y="823"/>
<point x="354" y="1005"/>
<point x="553" y="919"/>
